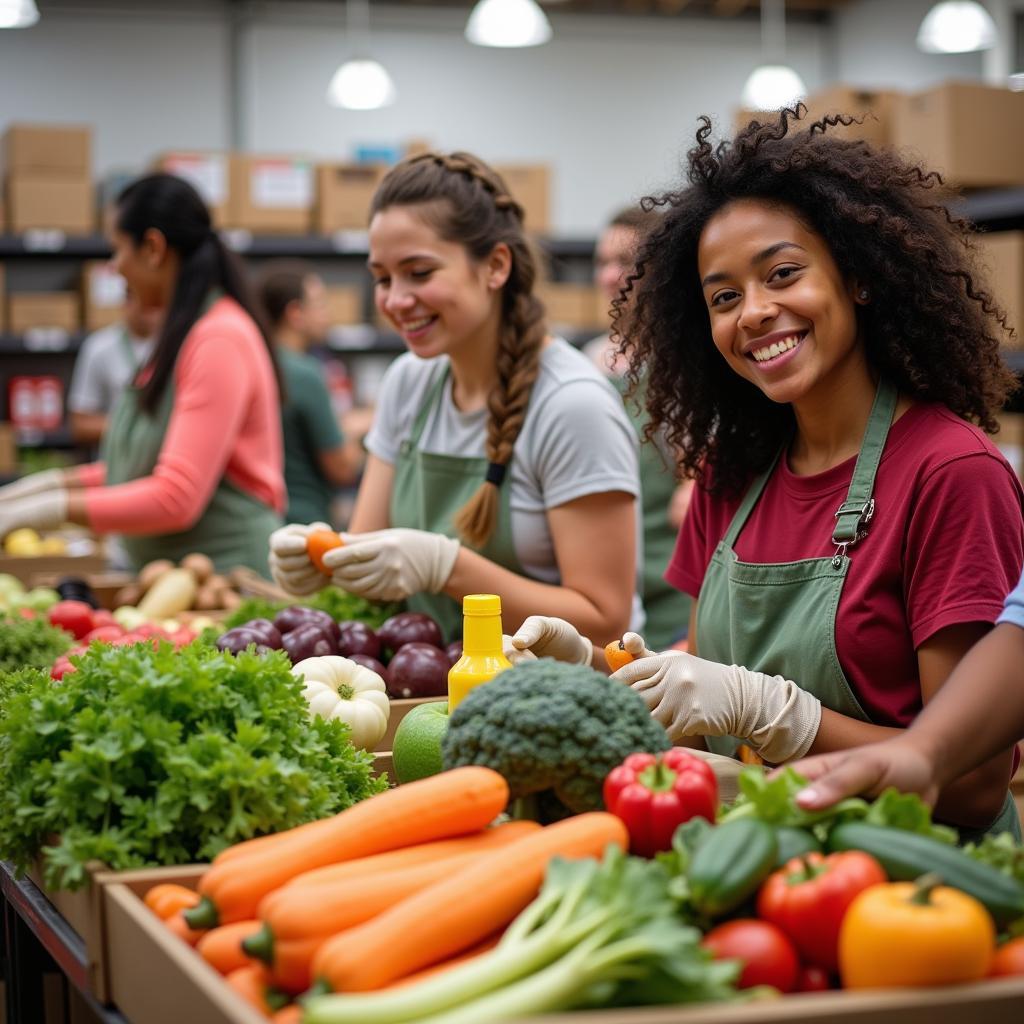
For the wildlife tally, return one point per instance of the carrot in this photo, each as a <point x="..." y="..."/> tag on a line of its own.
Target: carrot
<point x="413" y="856"/>
<point x="245" y="847"/>
<point x="291" y="1014"/>
<point x="453" y="915"/>
<point x="251" y="984"/>
<point x="222" y="949"/>
<point x="443" y="806"/>
<point x="168" y="899"/>
<point x="179" y="926"/>
<point x="298" y="919"/>
<point x="318" y="543"/>
<point x="446" y="965"/>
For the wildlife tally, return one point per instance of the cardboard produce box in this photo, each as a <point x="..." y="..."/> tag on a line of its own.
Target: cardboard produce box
<point x="1003" y="252"/>
<point x="271" y="195"/>
<point x="1010" y="440"/>
<point x="530" y="185"/>
<point x="103" y="295"/>
<point x="50" y="310"/>
<point x="61" y="204"/>
<point x="343" y="195"/>
<point x="571" y="305"/>
<point x="968" y="131"/>
<point x="208" y="173"/>
<point x="8" y="450"/>
<point x="345" y="304"/>
<point x="874" y="105"/>
<point x="48" y="150"/>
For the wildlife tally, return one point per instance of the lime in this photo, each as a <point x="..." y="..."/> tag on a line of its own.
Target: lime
<point x="417" y="744"/>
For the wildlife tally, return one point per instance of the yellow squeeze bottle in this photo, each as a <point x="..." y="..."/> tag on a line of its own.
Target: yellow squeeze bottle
<point x="482" y="658"/>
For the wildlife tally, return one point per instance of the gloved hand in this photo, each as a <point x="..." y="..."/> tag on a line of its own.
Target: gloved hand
<point x="390" y="565"/>
<point x="290" y="566"/>
<point x="34" y="483"/>
<point x="516" y="656"/>
<point x="693" y="697"/>
<point x="547" y="637"/>
<point x="42" y="511"/>
<point x="636" y="645"/>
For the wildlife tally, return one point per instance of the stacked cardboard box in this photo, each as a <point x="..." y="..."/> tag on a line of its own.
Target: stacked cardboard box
<point x="530" y="185"/>
<point x="572" y="305"/>
<point x="271" y="195"/>
<point x="51" y="311"/>
<point x="103" y="291"/>
<point x="1003" y="254"/>
<point x="345" y="304"/>
<point x="343" y="194"/>
<point x="48" y="178"/>
<point x="207" y="173"/>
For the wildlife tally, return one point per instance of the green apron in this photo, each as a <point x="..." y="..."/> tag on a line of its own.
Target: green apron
<point x="428" y="491"/>
<point x="780" y="618"/>
<point x="233" y="530"/>
<point x="667" y="609"/>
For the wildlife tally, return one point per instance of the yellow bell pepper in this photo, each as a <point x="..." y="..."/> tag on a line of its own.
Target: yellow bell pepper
<point x="914" y="933"/>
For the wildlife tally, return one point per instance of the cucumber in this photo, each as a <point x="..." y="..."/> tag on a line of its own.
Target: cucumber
<point x="906" y="855"/>
<point x="730" y="864"/>
<point x="793" y="842"/>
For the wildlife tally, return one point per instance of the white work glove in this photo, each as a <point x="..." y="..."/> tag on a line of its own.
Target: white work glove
<point x="547" y="637"/>
<point x="514" y="655"/>
<point x="42" y="511"/>
<point x="390" y="565"/>
<point x="34" y="483"/>
<point x="693" y="697"/>
<point x="290" y="566"/>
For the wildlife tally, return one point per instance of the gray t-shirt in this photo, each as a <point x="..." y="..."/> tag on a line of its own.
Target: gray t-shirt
<point x="576" y="440"/>
<point x="104" y="368"/>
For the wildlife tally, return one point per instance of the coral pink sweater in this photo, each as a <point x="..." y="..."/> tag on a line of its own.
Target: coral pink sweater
<point x="226" y="422"/>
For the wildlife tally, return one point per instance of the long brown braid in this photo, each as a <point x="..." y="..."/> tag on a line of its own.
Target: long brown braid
<point x="468" y="203"/>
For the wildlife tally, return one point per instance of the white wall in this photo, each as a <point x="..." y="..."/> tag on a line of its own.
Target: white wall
<point x="611" y="103"/>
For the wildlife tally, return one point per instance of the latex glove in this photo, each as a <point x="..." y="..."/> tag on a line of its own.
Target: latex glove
<point x="290" y="566"/>
<point x="516" y="656"/>
<point x="42" y="511"/>
<point x="390" y="565"/>
<point x="693" y="697"/>
<point x="636" y="645"/>
<point x="548" y="637"/>
<point x="34" y="483"/>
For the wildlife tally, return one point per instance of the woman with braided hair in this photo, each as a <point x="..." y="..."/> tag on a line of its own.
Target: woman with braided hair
<point x="853" y="531"/>
<point x="500" y="460"/>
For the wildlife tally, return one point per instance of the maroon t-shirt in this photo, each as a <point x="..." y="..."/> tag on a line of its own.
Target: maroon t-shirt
<point x="946" y="546"/>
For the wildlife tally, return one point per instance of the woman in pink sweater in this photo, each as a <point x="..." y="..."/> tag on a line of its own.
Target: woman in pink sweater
<point x="192" y="459"/>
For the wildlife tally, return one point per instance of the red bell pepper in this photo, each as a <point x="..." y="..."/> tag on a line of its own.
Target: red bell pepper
<point x="653" y="795"/>
<point x="808" y="897"/>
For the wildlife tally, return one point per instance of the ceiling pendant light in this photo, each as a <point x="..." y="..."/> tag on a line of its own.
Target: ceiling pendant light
<point x="361" y="83"/>
<point x="773" y="85"/>
<point x="18" y="13"/>
<point x="508" y="23"/>
<point x="956" y="26"/>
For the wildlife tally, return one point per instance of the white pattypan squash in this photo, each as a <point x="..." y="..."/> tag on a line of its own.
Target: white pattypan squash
<point x="337" y="688"/>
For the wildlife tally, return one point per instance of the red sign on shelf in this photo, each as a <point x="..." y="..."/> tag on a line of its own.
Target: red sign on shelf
<point x="36" y="403"/>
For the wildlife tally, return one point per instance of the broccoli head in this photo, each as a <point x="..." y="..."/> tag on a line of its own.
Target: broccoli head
<point x="554" y="731"/>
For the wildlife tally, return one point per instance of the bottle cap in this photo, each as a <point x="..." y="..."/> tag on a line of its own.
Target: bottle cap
<point x="481" y="604"/>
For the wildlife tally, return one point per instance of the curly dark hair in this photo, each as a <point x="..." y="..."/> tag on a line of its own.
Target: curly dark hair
<point x="930" y="327"/>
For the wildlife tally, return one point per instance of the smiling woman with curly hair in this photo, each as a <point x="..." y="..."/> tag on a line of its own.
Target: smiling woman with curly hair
<point x="816" y="343"/>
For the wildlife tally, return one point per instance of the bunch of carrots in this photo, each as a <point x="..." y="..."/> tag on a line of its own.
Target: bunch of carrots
<point x="404" y="884"/>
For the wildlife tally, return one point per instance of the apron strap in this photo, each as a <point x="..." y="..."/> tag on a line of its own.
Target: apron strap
<point x="433" y="397"/>
<point x="859" y="507"/>
<point x="749" y="501"/>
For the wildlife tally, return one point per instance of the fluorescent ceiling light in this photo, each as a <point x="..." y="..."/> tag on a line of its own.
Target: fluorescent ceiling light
<point x="18" y="13"/>
<point x="956" y="26"/>
<point x="507" y="23"/>
<point x="772" y="87"/>
<point x="361" y="85"/>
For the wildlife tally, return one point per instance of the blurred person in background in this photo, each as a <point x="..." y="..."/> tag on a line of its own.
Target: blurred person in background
<point x="317" y="458"/>
<point x="192" y="459"/>
<point x="664" y="497"/>
<point x="105" y="365"/>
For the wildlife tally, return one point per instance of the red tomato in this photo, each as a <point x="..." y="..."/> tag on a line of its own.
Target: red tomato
<point x="1009" y="959"/>
<point x="147" y="629"/>
<point x="61" y="667"/>
<point x="102" y="617"/>
<point x="104" y="633"/>
<point x="768" y="956"/>
<point x="73" y="616"/>
<point x="26" y="613"/>
<point x="812" y="979"/>
<point x="181" y="637"/>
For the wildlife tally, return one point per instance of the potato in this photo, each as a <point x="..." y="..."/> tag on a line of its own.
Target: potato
<point x="128" y="595"/>
<point x="209" y="597"/>
<point x="152" y="571"/>
<point x="230" y="599"/>
<point x="201" y="566"/>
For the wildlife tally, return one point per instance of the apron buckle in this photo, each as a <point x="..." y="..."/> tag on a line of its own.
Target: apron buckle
<point x="865" y="513"/>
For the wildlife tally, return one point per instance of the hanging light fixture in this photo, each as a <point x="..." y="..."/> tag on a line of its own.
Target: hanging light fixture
<point x="956" y="26"/>
<point x="18" y="13"/>
<point x="508" y="23"/>
<point x="773" y="85"/>
<point x="361" y="83"/>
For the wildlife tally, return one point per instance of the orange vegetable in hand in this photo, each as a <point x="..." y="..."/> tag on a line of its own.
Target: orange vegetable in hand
<point x="318" y="543"/>
<point x="616" y="655"/>
<point x="914" y="933"/>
